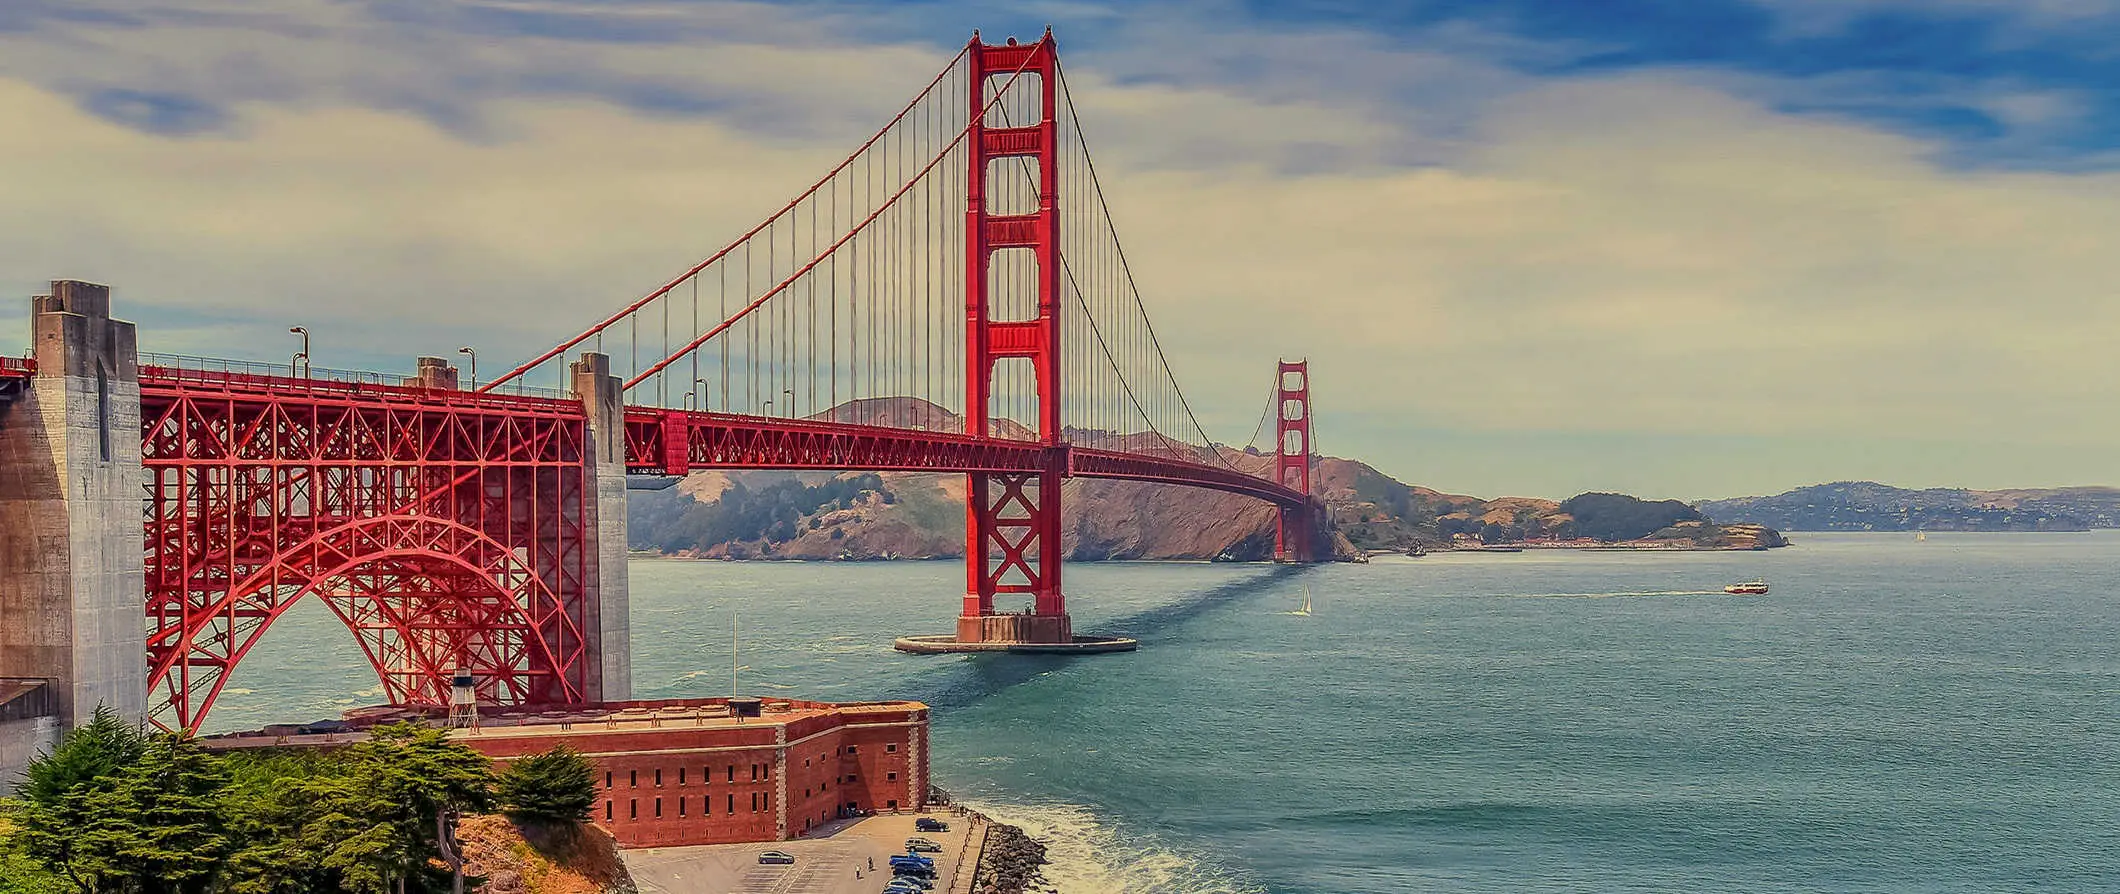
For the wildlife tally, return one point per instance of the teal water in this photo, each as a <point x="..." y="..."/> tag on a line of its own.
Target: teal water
<point x="1895" y="717"/>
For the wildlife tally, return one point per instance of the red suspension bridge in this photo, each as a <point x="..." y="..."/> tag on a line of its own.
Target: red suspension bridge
<point x="952" y="297"/>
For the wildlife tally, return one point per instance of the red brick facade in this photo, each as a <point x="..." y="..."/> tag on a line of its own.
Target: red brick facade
<point x="682" y="772"/>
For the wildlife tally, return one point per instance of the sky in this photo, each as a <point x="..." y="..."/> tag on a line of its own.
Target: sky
<point x="1678" y="248"/>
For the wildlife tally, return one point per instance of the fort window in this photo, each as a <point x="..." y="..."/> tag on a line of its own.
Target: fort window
<point x="633" y="778"/>
<point x="732" y="772"/>
<point x="893" y="803"/>
<point x="633" y="808"/>
<point x="890" y="748"/>
<point x="607" y="779"/>
<point x="658" y="777"/>
<point x="890" y="777"/>
<point x="607" y="809"/>
<point x="680" y="805"/>
<point x="732" y="796"/>
<point x="658" y="808"/>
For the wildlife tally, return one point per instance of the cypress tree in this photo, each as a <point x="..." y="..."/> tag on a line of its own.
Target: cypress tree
<point x="557" y="787"/>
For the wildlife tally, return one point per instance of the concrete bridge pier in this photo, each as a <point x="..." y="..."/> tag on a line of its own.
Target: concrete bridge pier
<point x="603" y="397"/>
<point x="72" y="574"/>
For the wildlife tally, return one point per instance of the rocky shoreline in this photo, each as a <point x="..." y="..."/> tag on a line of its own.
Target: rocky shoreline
<point x="1011" y="863"/>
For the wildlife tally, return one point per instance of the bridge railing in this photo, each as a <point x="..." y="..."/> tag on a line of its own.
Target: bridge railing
<point x="224" y="368"/>
<point x="227" y="367"/>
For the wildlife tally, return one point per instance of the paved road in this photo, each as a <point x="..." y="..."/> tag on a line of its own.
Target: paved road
<point x="825" y="862"/>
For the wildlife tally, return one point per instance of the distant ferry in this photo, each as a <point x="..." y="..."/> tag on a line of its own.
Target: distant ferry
<point x="1748" y="588"/>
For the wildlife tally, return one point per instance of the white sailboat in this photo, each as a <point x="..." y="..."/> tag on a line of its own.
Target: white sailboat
<point x="1304" y="612"/>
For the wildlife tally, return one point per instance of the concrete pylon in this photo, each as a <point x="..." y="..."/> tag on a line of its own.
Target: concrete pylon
<point x="603" y="398"/>
<point x="72" y="560"/>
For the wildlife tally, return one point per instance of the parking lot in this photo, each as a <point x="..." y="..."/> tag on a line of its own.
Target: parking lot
<point x="825" y="862"/>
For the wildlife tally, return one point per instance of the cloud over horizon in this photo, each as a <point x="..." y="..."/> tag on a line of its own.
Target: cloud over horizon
<point x="1517" y="270"/>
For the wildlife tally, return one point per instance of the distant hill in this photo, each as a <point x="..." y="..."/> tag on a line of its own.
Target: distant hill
<point x="827" y="515"/>
<point x="1870" y="506"/>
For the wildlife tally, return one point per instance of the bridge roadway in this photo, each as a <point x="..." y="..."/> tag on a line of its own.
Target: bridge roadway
<point x="722" y="440"/>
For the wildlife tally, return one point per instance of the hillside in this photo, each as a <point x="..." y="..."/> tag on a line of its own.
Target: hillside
<point x="1869" y="506"/>
<point x="856" y="516"/>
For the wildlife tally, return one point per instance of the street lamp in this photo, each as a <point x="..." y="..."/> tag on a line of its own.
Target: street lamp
<point x="789" y="405"/>
<point x="467" y="351"/>
<point x="699" y="386"/>
<point x="301" y="357"/>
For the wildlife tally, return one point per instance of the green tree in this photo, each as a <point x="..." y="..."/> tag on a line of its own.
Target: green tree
<point x="65" y="818"/>
<point x="556" y="787"/>
<point x="168" y="803"/>
<point x="288" y="812"/>
<point x="422" y="781"/>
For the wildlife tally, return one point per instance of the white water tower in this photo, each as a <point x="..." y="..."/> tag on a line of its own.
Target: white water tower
<point x="463" y="700"/>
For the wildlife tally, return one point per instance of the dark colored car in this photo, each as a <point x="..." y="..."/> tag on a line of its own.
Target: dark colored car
<point x="930" y="824"/>
<point x="777" y="857"/>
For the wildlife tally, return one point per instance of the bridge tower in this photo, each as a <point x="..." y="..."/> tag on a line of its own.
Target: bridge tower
<point x="1294" y="535"/>
<point x="1012" y="523"/>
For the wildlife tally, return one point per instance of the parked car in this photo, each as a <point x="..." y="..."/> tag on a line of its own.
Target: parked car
<point x="912" y="883"/>
<point x="777" y="857"/>
<point x="922" y="845"/>
<point x="930" y="824"/>
<point x="912" y="860"/>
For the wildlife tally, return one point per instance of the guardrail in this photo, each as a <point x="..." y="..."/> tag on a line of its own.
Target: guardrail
<point x="199" y="368"/>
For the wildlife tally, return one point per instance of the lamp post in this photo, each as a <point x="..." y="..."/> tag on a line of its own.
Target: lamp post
<point x="468" y="352"/>
<point x="699" y="386"/>
<point x="789" y="405"/>
<point x="301" y="357"/>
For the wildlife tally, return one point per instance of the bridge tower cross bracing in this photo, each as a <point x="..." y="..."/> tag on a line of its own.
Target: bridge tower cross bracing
<point x="1293" y="534"/>
<point x="1012" y="520"/>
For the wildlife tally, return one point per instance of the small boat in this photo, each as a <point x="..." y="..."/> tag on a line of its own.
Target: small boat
<point x="1304" y="612"/>
<point x="1748" y="588"/>
<point x="1920" y="536"/>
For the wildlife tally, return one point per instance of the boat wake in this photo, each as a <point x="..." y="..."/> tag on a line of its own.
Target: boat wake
<point x="1087" y="856"/>
<point x="1626" y="595"/>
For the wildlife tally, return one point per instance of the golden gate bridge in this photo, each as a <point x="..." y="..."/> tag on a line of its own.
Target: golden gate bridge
<point x="952" y="297"/>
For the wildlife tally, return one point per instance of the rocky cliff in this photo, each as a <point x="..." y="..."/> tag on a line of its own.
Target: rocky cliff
<point x="855" y="516"/>
<point x="1869" y="506"/>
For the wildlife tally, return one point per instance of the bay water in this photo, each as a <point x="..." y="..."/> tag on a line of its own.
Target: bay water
<point x="1896" y="716"/>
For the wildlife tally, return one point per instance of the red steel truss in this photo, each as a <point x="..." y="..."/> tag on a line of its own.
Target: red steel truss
<point x="446" y="529"/>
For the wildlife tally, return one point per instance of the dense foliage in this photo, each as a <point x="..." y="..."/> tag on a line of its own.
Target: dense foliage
<point x="1615" y="517"/>
<point x="558" y="786"/>
<point x="114" y="811"/>
<point x="672" y="521"/>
